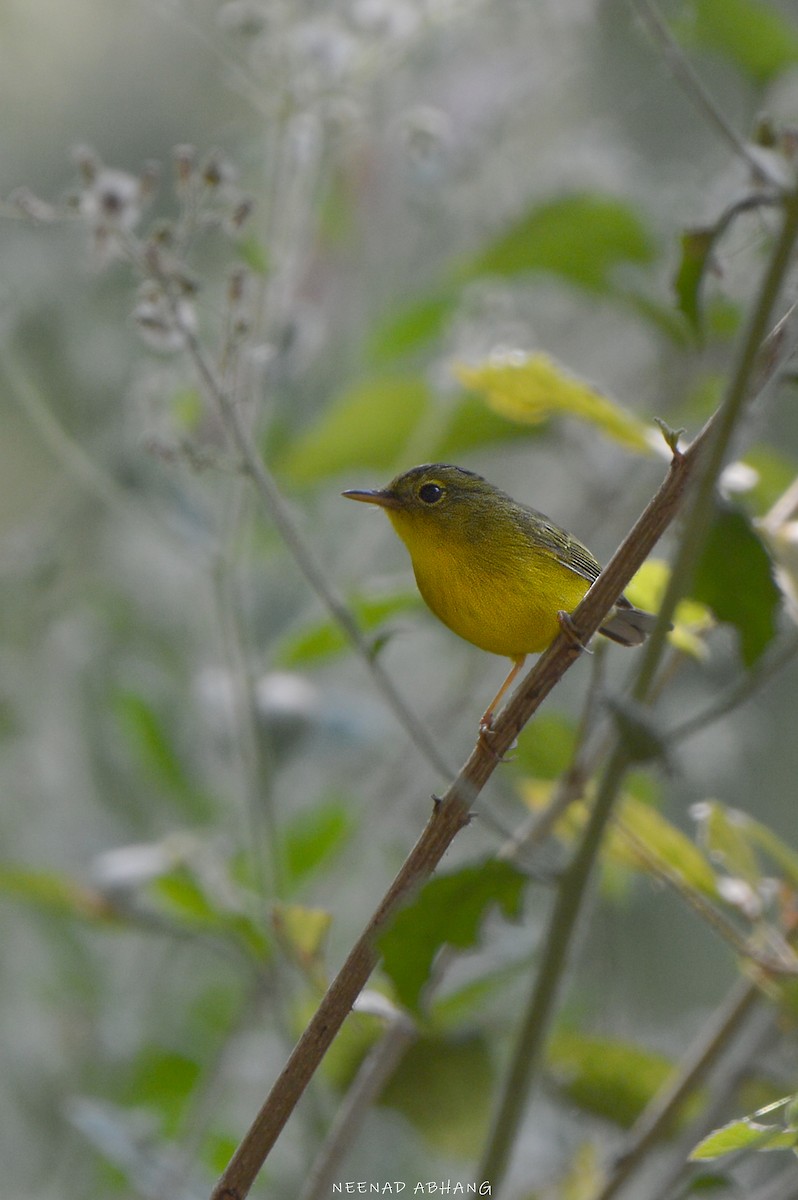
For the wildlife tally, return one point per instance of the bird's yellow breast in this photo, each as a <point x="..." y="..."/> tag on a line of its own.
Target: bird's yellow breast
<point x="504" y="598"/>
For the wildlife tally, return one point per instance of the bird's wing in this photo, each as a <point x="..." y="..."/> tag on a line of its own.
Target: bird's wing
<point x="567" y="549"/>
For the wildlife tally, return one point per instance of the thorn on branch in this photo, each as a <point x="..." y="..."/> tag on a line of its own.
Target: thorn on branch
<point x="671" y="437"/>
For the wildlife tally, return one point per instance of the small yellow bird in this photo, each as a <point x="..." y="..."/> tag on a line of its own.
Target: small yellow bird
<point x="499" y="574"/>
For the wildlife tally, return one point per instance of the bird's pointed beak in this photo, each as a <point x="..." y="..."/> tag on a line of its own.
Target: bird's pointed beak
<point x="382" y="498"/>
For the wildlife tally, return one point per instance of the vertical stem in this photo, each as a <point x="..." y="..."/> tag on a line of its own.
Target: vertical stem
<point x="537" y="1019"/>
<point x="701" y="507"/>
<point x="711" y="448"/>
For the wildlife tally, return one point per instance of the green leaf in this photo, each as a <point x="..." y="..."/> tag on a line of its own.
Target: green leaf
<point x="218" y="1149"/>
<point x="781" y="854"/>
<point x="696" y="246"/>
<point x="465" y="1003"/>
<point x="642" y="827"/>
<point x="735" y="579"/>
<point x="774" y="472"/>
<point x="183" y="899"/>
<point x="662" y="317"/>
<point x="723" y="832"/>
<point x="312" y="838"/>
<point x="146" y="731"/>
<point x="691" y="621"/>
<point x="761" y="41"/>
<point x="447" y="911"/>
<point x="745" y="1134"/>
<point x="163" y="1081"/>
<point x="472" y="424"/>
<point x="188" y="409"/>
<point x="323" y="640"/>
<point x="709" y="1183"/>
<point x="531" y="387"/>
<point x="546" y="746"/>
<point x="357" y="1035"/>
<point x="366" y="426"/>
<point x="254" y="253"/>
<point x="147" y="734"/>
<point x="640" y="838"/>
<point x="54" y="893"/>
<point x="444" y="1088"/>
<point x="412" y="328"/>
<point x="611" y="1078"/>
<point x="302" y="932"/>
<point x="582" y="237"/>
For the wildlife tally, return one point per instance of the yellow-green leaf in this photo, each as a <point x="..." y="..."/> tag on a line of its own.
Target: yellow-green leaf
<point x="302" y="931"/>
<point x="55" y="893"/>
<point x="641" y="838"/>
<point x="779" y="851"/>
<point x="725" y="836"/>
<point x="754" y="35"/>
<point x="531" y="387"/>
<point x="613" y="1079"/>
<point x="747" y="1133"/>
<point x="692" y="619"/>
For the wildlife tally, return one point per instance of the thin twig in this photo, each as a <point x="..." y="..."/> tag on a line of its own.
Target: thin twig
<point x="781" y="654"/>
<point x="710" y="1043"/>
<point x="693" y="86"/>
<point x="730" y="1072"/>
<point x="372" y="1076"/>
<point x="272" y="500"/>
<point x="533" y="831"/>
<point x="531" y="1040"/>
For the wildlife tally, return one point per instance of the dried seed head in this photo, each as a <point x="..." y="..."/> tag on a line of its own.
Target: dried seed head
<point x="236" y="285"/>
<point x="162" y="233"/>
<point x="163" y="325"/>
<point x="216" y="170"/>
<point x="112" y="201"/>
<point x="187" y="284"/>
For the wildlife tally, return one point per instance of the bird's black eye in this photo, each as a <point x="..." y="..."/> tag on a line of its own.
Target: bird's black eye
<point x="430" y="493"/>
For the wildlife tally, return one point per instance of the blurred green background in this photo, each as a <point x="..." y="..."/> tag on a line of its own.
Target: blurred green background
<point x="179" y="742"/>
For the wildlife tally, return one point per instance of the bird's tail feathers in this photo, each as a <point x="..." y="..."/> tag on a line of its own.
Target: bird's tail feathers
<point x="627" y="625"/>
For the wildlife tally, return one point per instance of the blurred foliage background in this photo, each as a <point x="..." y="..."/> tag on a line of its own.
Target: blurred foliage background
<point x="204" y="793"/>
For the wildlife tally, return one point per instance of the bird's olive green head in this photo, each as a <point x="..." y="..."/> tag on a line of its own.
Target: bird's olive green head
<point x="433" y="487"/>
<point x="437" y="496"/>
